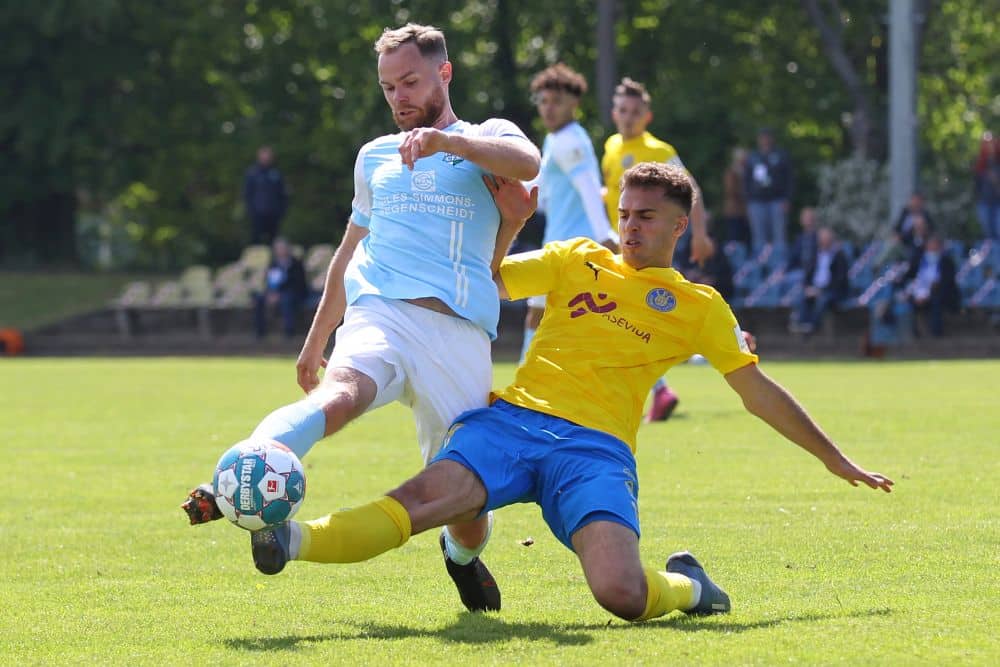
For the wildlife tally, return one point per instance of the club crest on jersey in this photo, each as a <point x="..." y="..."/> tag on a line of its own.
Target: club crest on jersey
<point x="661" y="299"/>
<point x="628" y="161"/>
<point x="423" y="181"/>
<point x="453" y="160"/>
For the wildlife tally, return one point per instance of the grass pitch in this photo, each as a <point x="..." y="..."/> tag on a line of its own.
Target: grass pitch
<point x="98" y="565"/>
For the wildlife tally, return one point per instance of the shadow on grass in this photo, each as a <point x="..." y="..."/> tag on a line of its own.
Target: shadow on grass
<point x="484" y="629"/>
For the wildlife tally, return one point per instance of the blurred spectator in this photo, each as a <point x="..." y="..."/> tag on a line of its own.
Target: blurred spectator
<point x="915" y="208"/>
<point x="265" y="197"/>
<point x="825" y="282"/>
<point x="988" y="186"/>
<point x="768" y="180"/>
<point x="734" y="200"/>
<point x="714" y="270"/>
<point x="896" y="249"/>
<point x="285" y="290"/>
<point x="803" y="252"/>
<point x="930" y="286"/>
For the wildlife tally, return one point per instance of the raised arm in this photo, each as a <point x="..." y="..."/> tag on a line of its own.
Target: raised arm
<point x="768" y="400"/>
<point x="516" y="204"/>
<point x="510" y="157"/>
<point x="330" y="310"/>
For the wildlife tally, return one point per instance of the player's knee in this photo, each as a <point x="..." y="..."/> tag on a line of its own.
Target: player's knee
<point x="623" y="597"/>
<point x="341" y="403"/>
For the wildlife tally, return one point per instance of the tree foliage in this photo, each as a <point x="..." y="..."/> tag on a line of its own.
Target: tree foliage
<point x="135" y="121"/>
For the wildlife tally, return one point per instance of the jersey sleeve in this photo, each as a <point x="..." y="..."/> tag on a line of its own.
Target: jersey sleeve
<point x="570" y="152"/>
<point x="721" y="339"/>
<point x="533" y="273"/>
<point x="500" y="127"/>
<point x="589" y="188"/>
<point x="361" y="206"/>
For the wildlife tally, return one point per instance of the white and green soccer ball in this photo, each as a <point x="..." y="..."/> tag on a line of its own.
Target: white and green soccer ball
<point x="259" y="483"/>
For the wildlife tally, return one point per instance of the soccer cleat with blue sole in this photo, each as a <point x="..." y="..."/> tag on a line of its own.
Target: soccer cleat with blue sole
<point x="476" y="586"/>
<point x="713" y="599"/>
<point x="270" y="548"/>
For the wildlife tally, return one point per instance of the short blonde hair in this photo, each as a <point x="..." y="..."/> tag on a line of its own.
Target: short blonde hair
<point x="429" y="40"/>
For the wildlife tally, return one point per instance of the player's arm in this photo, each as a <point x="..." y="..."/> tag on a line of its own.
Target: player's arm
<point x="702" y="245"/>
<point x="507" y="155"/>
<point x="330" y="311"/>
<point x="587" y="185"/>
<point x="769" y="401"/>
<point x="516" y="204"/>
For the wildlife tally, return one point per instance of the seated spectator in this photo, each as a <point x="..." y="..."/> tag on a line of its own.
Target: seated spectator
<point x="285" y="291"/>
<point x="825" y="282"/>
<point x="899" y="249"/>
<point x="715" y="270"/>
<point x="914" y="209"/>
<point x="930" y="286"/>
<point x="803" y="251"/>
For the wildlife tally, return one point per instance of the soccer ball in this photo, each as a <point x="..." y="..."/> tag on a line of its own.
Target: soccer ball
<point x="259" y="483"/>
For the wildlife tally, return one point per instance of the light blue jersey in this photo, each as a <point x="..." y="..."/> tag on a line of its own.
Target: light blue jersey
<point x="569" y="187"/>
<point x="431" y="231"/>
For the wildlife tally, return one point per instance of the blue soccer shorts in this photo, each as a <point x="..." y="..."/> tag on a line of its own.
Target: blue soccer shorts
<point x="576" y="475"/>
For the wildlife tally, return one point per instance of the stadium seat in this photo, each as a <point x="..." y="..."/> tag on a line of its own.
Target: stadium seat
<point x="736" y="253"/>
<point x="137" y="293"/>
<point x="987" y="296"/>
<point x="167" y="294"/>
<point x="256" y="257"/>
<point x="768" y="293"/>
<point x="318" y="258"/>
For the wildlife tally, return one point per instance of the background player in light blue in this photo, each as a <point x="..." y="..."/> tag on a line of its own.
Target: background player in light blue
<point x="412" y="279"/>
<point x="570" y="178"/>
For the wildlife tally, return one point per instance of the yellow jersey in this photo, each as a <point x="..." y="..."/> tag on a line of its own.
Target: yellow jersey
<point x="619" y="155"/>
<point x="609" y="331"/>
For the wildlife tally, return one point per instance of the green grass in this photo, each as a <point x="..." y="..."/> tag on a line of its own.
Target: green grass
<point x="32" y="299"/>
<point x="99" y="566"/>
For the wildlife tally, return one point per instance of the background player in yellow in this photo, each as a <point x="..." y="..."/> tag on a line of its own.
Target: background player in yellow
<point x="631" y="113"/>
<point x="563" y="434"/>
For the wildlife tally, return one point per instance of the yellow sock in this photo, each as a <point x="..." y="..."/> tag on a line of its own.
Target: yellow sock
<point x="356" y="534"/>
<point x="666" y="591"/>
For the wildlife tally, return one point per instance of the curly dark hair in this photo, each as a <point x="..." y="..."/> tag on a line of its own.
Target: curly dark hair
<point x="429" y="40"/>
<point x="560" y="77"/>
<point x="674" y="181"/>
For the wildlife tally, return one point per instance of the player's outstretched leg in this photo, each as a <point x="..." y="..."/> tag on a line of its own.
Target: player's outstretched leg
<point x="271" y="548"/>
<point x="712" y="599"/>
<point x="476" y="585"/>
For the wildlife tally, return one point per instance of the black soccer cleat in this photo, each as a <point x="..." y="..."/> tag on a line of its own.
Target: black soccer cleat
<point x="270" y="548"/>
<point x="200" y="505"/>
<point x="476" y="586"/>
<point x="713" y="599"/>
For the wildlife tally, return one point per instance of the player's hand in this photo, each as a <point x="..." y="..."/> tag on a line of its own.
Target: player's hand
<point x="750" y="340"/>
<point x="846" y="469"/>
<point x="307" y="369"/>
<point x="702" y="248"/>
<point x="421" y="142"/>
<point x="513" y="200"/>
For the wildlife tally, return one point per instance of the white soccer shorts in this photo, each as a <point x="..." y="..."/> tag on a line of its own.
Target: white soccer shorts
<point x="436" y="364"/>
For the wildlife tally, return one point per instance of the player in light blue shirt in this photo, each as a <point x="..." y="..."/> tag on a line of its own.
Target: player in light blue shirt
<point x="570" y="178"/>
<point x="412" y="281"/>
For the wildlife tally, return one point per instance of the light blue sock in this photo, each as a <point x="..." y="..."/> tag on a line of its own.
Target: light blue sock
<point x="529" y="334"/>
<point x="298" y="426"/>
<point x="660" y="382"/>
